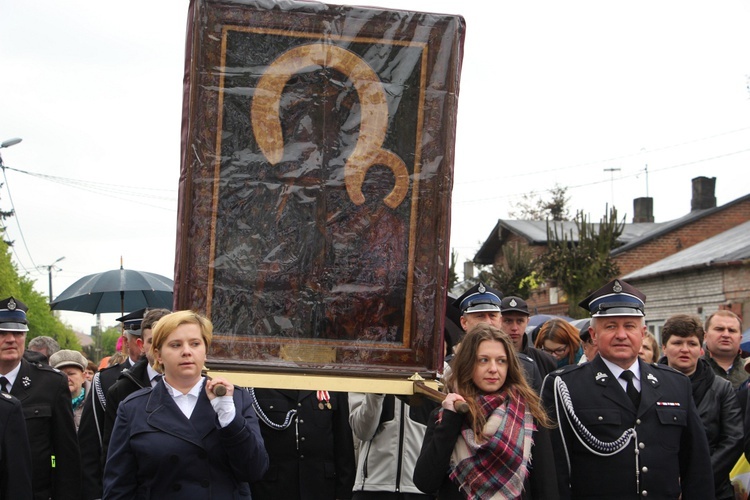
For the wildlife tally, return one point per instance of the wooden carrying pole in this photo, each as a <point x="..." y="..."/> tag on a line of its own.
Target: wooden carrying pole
<point x="421" y="388"/>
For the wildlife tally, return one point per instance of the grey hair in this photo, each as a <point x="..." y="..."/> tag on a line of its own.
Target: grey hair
<point x="44" y="343"/>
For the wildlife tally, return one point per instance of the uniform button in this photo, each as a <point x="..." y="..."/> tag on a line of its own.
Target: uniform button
<point x="601" y="418"/>
<point x="270" y="407"/>
<point x="641" y="445"/>
<point x="301" y="457"/>
<point x="205" y="483"/>
<point x="638" y="422"/>
<point x="674" y="418"/>
<point x="299" y="404"/>
<point x="644" y="469"/>
<point x="301" y="421"/>
<point x="176" y="487"/>
<point x="302" y="438"/>
<point x="644" y="493"/>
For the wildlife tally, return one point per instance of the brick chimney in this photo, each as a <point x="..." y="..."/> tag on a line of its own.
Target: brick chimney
<point x="703" y="193"/>
<point x="643" y="210"/>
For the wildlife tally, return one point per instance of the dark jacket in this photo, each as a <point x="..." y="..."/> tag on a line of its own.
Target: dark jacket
<point x="722" y="418"/>
<point x="45" y="397"/>
<point x="431" y="471"/>
<point x="155" y="452"/>
<point x="673" y="457"/>
<point x="91" y="430"/>
<point x="313" y="458"/>
<point x="737" y="374"/>
<point x="130" y="380"/>
<point x="15" y="454"/>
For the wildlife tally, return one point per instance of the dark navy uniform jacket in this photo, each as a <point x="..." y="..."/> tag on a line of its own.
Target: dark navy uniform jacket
<point x="313" y="458"/>
<point x="671" y="447"/>
<point x="91" y="430"/>
<point x="15" y="454"/>
<point x="56" y="459"/>
<point x="156" y="452"/>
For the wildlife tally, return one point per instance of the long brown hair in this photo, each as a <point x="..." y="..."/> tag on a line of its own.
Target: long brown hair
<point x="460" y="378"/>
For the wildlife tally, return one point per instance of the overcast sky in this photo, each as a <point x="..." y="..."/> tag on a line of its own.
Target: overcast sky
<point x="615" y="100"/>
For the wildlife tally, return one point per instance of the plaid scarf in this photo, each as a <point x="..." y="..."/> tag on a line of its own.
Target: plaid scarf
<point x="497" y="467"/>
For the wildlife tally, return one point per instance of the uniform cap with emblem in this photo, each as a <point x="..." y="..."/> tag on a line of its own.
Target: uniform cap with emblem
<point x="479" y="298"/>
<point x="132" y="322"/>
<point x="514" y="304"/>
<point x="68" y="357"/>
<point x="13" y="316"/>
<point x="616" y="298"/>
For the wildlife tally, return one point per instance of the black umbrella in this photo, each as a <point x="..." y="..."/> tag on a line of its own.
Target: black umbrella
<point x="114" y="291"/>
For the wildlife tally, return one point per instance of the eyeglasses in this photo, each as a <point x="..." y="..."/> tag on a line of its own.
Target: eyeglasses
<point x="557" y="352"/>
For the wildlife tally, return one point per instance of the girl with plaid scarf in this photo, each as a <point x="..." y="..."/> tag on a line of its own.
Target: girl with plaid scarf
<point x="501" y="447"/>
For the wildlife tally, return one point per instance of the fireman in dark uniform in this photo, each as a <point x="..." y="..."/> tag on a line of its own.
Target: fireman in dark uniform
<point x="627" y="429"/>
<point x="45" y="399"/>
<point x="309" y="443"/>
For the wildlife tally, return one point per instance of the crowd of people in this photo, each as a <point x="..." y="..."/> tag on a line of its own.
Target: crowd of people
<point x="604" y="410"/>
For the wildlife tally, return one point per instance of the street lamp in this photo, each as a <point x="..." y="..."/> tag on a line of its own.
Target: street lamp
<point x="50" y="268"/>
<point x="8" y="143"/>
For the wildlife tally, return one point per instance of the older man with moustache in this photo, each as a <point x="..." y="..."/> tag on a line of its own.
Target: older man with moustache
<point x="45" y="399"/>
<point x="626" y="429"/>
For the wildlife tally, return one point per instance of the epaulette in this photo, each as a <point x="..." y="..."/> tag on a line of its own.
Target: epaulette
<point x="565" y="369"/>
<point x="45" y="367"/>
<point x="143" y="391"/>
<point x="7" y="397"/>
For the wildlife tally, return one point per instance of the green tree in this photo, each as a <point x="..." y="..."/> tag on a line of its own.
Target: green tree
<point x="109" y="340"/>
<point x="518" y="276"/>
<point x="452" y="275"/>
<point x="533" y="207"/>
<point x="580" y="267"/>
<point x="41" y="320"/>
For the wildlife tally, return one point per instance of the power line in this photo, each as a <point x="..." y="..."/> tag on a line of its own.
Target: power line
<point x="597" y="162"/>
<point x="18" y="222"/>
<point x="593" y="183"/>
<point x="111" y="190"/>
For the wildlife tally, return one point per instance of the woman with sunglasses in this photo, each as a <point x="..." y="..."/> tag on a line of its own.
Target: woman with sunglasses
<point x="560" y="339"/>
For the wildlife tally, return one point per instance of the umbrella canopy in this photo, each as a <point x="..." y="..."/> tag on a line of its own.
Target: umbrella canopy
<point x="114" y="291"/>
<point x="538" y="319"/>
<point x="745" y="341"/>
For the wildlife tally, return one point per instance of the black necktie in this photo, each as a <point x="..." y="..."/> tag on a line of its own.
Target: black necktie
<point x="4" y="384"/>
<point x="633" y="393"/>
<point x="156" y="379"/>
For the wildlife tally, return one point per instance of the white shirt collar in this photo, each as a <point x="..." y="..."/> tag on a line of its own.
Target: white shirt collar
<point x="617" y="370"/>
<point x="151" y="372"/>
<point x="195" y="391"/>
<point x="11" y="375"/>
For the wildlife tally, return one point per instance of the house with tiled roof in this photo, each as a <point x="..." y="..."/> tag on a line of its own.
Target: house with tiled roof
<point x="643" y="242"/>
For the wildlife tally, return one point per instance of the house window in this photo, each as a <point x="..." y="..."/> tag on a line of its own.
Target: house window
<point x="655" y="327"/>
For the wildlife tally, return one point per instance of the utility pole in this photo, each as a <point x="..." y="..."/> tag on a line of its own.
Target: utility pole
<point x="50" y="268"/>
